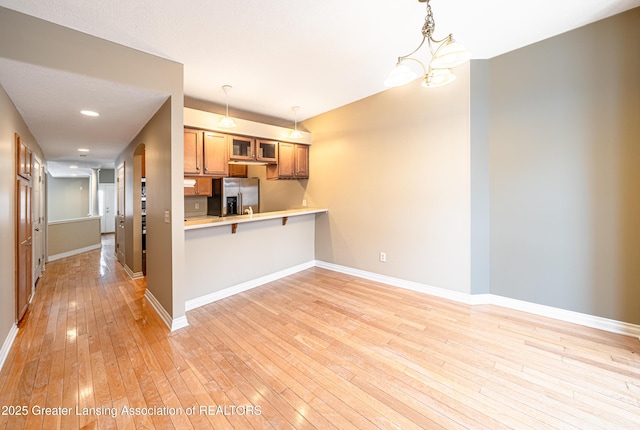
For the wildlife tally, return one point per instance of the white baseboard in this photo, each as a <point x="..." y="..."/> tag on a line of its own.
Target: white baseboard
<point x="239" y="288"/>
<point x="587" y="320"/>
<point x="71" y="253"/>
<point x="132" y="274"/>
<point x="8" y="342"/>
<point x="172" y="324"/>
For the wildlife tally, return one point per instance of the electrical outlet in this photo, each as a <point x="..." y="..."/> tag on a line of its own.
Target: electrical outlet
<point x="197" y="205"/>
<point x="304" y="203"/>
<point x="383" y="257"/>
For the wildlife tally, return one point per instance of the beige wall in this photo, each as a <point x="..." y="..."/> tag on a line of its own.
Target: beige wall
<point x="67" y="198"/>
<point x="10" y="123"/>
<point x="393" y="170"/>
<point x="218" y="259"/>
<point x="69" y="236"/>
<point x="156" y="138"/>
<point x="564" y="167"/>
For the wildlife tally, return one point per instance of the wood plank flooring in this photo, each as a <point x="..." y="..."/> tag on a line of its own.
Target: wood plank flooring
<point x="314" y="350"/>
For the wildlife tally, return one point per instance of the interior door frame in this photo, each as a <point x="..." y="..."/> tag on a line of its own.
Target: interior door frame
<point x="39" y="225"/>
<point x="120" y="213"/>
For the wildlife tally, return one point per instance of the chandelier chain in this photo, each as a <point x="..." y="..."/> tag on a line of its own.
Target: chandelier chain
<point x="429" y="26"/>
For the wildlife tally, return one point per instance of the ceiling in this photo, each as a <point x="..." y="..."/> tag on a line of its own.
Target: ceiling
<point x="318" y="55"/>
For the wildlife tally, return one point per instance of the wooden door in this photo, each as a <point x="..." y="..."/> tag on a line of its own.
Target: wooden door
<point x="120" y="216"/>
<point x="24" y="243"/>
<point x="216" y="154"/>
<point x="192" y="151"/>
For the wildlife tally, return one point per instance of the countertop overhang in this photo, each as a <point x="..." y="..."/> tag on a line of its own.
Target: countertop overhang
<point x="216" y="221"/>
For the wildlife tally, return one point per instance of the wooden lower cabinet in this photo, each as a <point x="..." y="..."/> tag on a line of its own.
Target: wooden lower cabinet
<point x="202" y="188"/>
<point x="293" y="162"/>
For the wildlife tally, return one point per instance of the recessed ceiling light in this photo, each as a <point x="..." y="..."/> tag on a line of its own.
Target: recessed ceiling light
<point x="89" y="113"/>
<point x="73" y="167"/>
<point x="83" y="150"/>
<point x="74" y="175"/>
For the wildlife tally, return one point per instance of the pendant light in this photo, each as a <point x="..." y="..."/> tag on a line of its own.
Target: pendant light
<point x="227" y="121"/>
<point x="445" y="54"/>
<point x="295" y="134"/>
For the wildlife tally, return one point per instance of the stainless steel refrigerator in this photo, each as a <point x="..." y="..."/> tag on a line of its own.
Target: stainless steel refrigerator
<point x="234" y="196"/>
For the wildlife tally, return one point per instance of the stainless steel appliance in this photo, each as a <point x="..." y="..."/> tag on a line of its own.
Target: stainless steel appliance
<point x="234" y="196"/>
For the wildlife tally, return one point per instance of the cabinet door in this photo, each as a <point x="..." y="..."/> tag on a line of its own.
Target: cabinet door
<point x="204" y="187"/>
<point x="216" y="155"/>
<point x="238" y="170"/>
<point x="302" y="161"/>
<point x="192" y="151"/>
<point x="267" y="150"/>
<point x="286" y="160"/>
<point x="241" y="148"/>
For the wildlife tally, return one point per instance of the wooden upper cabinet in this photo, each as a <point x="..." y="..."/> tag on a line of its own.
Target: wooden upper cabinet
<point x="242" y="148"/>
<point x="24" y="158"/>
<point x="293" y="162"/>
<point x="267" y="151"/>
<point x="192" y="151"/>
<point x="286" y="162"/>
<point x="301" y="161"/>
<point x="216" y="154"/>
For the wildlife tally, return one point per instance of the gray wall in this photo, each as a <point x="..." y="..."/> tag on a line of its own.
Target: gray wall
<point x="479" y="173"/>
<point x="67" y="198"/>
<point x="564" y="170"/>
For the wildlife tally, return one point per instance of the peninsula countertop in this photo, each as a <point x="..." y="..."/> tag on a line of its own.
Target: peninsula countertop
<point x="216" y="221"/>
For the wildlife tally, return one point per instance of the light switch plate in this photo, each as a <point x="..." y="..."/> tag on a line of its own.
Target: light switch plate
<point x="167" y="217"/>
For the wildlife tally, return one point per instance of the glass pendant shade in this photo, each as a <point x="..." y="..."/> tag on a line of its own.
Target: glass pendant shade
<point x="452" y="54"/>
<point x="227" y="122"/>
<point x="400" y="75"/>
<point x="438" y="78"/>
<point x="295" y="134"/>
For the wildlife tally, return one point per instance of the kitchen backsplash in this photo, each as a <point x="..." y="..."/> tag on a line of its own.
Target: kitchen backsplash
<point x="195" y="206"/>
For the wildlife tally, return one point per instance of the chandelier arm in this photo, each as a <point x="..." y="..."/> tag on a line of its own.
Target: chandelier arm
<point x="406" y="57"/>
<point x="440" y="44"/>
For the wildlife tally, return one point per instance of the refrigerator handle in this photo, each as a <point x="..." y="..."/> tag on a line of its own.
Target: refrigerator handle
<point x="239" y="207"/>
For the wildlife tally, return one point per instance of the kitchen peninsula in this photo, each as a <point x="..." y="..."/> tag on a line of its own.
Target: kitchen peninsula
<point x="229" y="254"/>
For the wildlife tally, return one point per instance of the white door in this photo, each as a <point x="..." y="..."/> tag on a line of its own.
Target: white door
<point x="38" y="220"/>
<point x="106" y="207"/>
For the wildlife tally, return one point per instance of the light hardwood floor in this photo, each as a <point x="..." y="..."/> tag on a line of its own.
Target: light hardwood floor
<point x="315" y="350"/>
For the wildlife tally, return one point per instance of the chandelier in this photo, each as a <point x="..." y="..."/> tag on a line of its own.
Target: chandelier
<point x="445" y="54"/>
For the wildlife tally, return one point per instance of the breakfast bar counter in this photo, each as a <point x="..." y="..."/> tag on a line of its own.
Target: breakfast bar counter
<point x="216" y="221"/>
<point x="228" y="255"/>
